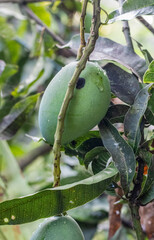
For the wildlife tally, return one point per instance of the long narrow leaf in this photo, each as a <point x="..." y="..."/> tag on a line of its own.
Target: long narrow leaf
<point x="54" y="201"/>
<point x="134" y="116"/>
<point x="122" y="154"/>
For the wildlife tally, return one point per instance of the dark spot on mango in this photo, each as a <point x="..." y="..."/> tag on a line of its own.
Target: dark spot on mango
<point x="80" y="83"/>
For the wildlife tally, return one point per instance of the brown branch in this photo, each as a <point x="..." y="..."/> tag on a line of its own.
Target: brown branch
<point x="24" y="1"/>
<point x="26" y="160"/>
<point x="126" y="30"/>
<point x="82" y="29"/>
<point x="69" y="93"/>
<point x="146" y="24"/>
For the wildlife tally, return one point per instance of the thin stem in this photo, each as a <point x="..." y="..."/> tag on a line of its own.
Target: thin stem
<point x="82" y="29"/>
<point x="32" y="15"/>
<point x="38" y="21"/>
<point x="126" y="30"/>
<point x="133" y="202"/>
<point x="146" y="24"/>
<point x="136" y="221"/>
<point x="69" y="93"/>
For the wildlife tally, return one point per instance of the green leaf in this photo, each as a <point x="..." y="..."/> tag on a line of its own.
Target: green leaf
<point x="130" y="5"/>
<point x="36" y="74"/>
<point x="54" y="201"/>
<point x="11" y="123"/>
<point x="118" y="16"/>
<point x="145" y="52"/>
<point x="41" y="12"/>
<point x="149" y="74"/>
<point x="6" y="30"/>
<point x="116" y="113"/>
<point x="99" y="157"/>
<point x="8" y="71"/>
<point x="148" y="197"/>
<point x="134" y="116"/>
<point x="106" y="49"/>
<point x="122" y="154"/>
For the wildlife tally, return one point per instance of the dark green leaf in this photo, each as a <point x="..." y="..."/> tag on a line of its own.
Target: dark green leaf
<point x="134" y="116"/>
<point x="11" y="123"/>
<point x="149" y="74"/>
<point x="6" y="105"/>
<point x="54" y="201"/>
<point x="79" y="141"/>
<point x="122" y="154"/>
<point x="99" y="157"/>
<point x="116" y="113"/>
<point x="106" y="49"/>
<point x="148" y="197"/>
<point x="123" y="84"/>
<point x="149" y="115"/>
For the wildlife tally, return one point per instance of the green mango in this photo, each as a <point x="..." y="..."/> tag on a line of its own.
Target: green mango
<point x="88" y="106"/>
<point x="58" y="228"/>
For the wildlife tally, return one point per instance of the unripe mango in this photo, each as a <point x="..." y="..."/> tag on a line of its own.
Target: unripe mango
<point x="58" y="228"/>
<point x="86" y="109"/>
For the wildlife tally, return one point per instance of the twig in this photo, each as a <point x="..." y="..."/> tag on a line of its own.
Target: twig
<point x="136" y="221"/>
<point x="133" y="203"/>
<point x="39" y="151"/>
<point x="82" y="29"/>
<point x="126" y="30"/>
<point x="69" y="93"/>
<point x="37" y="20"/>
<point x="146" y="24"/>
<point x="24" y="1"/>
<point x="67" y="52"/>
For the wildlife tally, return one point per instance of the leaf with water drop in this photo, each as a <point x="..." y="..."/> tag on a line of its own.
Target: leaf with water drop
<point x="134" y="116"/>
<point x="122" y="154"/>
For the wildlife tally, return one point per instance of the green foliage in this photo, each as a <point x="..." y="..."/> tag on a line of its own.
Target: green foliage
<point x="122" y="154"/>
<point x="30" y="57"/>
<point x="61" y="199"/>
<point x="149" y="74"/>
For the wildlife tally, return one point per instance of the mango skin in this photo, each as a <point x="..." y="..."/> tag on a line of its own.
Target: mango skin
<point x="58" y="228"/>
<point x="86" y="109"/>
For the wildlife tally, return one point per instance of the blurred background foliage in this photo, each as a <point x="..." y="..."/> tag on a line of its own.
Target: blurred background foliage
<point x="29" y="59"/>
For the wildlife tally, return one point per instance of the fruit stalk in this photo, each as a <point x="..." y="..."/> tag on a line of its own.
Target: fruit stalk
<point x="82" y="29"/>
<point x="69" y="93"/>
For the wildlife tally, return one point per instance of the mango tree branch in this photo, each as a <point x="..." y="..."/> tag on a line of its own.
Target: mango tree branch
<point x="32" y="15"/>
<point x="126" y="30"/>
<point x="146" y="24"/>
<point x="82" y="29"/>
<point x="69" y="93"/>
